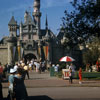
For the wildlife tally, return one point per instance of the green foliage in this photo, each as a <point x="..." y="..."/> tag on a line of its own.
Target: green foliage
<point x="87" y="57"/>
<point x="91" y="55"/>
<point x="82" y="22"/>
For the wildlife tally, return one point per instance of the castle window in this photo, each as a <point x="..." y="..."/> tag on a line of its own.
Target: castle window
<point x="29" y="47"/>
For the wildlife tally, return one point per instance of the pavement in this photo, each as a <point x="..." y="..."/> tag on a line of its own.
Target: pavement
<point x="43" y="87"/>
<point x="45" y="80"/>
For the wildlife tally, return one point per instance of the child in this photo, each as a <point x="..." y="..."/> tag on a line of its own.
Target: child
<point x="70" y="76"/>
<point x="11" y="94"/>
<point x="80" y="75"/>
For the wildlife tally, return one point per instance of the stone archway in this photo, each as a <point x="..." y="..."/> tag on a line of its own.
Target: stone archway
<point x="29" y="57"/>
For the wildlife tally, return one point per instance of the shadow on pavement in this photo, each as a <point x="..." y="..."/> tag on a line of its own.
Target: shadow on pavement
<point x="48" y="98"/>
<point x="43" y="97"/>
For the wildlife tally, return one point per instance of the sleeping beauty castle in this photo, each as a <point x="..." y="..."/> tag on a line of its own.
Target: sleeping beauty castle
<point x="27" y="40"/>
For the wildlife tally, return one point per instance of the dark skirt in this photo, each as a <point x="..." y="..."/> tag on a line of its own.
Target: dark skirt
<point x="20" y="89"/>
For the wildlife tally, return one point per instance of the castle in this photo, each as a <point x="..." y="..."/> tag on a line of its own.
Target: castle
<point x="31" y="42"/>
<point x="27" y="40"/>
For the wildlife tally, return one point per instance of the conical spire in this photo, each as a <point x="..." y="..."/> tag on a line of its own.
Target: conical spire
<point x="46" y="23"/>
<point x="12" y="21"/>
<point x="47" y="34"/>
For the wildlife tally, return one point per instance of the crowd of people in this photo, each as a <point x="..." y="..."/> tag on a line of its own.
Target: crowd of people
<point x="27" y="66"/>
<point x="16" y="74"/>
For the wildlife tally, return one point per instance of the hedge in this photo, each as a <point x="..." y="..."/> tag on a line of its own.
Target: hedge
<point x="84" y="75"/>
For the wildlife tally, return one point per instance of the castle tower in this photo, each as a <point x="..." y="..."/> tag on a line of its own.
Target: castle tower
<point x="12" y="25"/>
<point x="12" y="40"/>
<point x="37" y="15"/>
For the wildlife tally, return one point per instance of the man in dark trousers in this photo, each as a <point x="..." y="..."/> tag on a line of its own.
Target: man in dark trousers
<point x="1" y="95"/>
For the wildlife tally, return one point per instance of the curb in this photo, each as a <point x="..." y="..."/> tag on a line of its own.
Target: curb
<point x="72" y="85"/>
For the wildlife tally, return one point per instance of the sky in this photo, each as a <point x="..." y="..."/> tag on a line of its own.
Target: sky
<point x="54" y="9"/>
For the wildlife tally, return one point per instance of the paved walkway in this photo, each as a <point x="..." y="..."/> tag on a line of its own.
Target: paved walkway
<point x="44" y="80"/>
<point x="38" y="81"/>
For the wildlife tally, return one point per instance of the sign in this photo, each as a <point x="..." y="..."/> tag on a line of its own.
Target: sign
<point x="65" y="73"/>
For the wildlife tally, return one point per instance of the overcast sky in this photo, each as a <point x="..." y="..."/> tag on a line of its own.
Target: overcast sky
<point x="54" y="9"/>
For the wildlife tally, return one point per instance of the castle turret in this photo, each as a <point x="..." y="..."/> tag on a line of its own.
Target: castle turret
<point x="12" y="25"/>
<point x="37" y="15"/>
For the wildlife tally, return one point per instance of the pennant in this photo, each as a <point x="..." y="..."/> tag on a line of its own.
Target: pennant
<point x="45" y="48"/>
<point x="11" y="49"/>
<point x="19" y="51"/>
<point x="47" y="51"/>
<point x="22" y="52"/>
<point x="14" y="51"/>
<point x="39" y="50"/>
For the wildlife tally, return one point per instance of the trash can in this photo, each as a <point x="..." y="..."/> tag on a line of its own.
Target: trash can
<point x="52" y="72"/>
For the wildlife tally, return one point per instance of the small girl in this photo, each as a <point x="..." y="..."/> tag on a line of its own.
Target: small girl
<point x="80" y="75"/>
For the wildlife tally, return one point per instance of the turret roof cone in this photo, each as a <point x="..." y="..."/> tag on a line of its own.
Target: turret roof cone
<point x="12" y="21"/>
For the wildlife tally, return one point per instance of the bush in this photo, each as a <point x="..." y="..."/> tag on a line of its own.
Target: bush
<point x="92" y="53"/>
<point x="88" y="75"/>
<point x="91" y="56"/>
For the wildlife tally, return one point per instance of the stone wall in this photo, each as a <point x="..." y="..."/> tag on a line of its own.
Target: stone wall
<point x="3" y="54"/>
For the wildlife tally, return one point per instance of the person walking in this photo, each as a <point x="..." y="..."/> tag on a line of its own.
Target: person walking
<point x="70" y="76"/>
<point x="37" y="66"/>
<point x="1" y="94"/>
<point x="56" y="68"/>
<point x="98" y="65"/>
<point x="20" y="89"/>
<point x="26" y="71"/>
<point x="80" y="75"/>
<point x="11" y="85"/>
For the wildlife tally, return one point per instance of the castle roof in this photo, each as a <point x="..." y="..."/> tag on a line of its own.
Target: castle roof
<point x="12" y="21"/>
<point x="46" y="33"/>
<point x="28" y="19"/>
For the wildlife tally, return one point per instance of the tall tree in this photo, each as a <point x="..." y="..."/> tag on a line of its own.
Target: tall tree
<point x="83" y="21"/>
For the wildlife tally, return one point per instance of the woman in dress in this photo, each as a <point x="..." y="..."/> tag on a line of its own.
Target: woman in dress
<point x="19" y="86"/>
<point x="80" y="75"/>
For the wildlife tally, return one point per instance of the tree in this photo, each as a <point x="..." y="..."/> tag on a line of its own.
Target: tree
<point x="83" y="22"/>
<point x="92" y="53"/>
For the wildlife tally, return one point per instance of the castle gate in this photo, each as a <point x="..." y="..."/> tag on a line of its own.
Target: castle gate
<point x="29" y="57"/>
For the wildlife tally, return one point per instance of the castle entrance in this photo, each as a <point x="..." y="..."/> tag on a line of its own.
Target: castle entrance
<point x="29" y="57"/>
